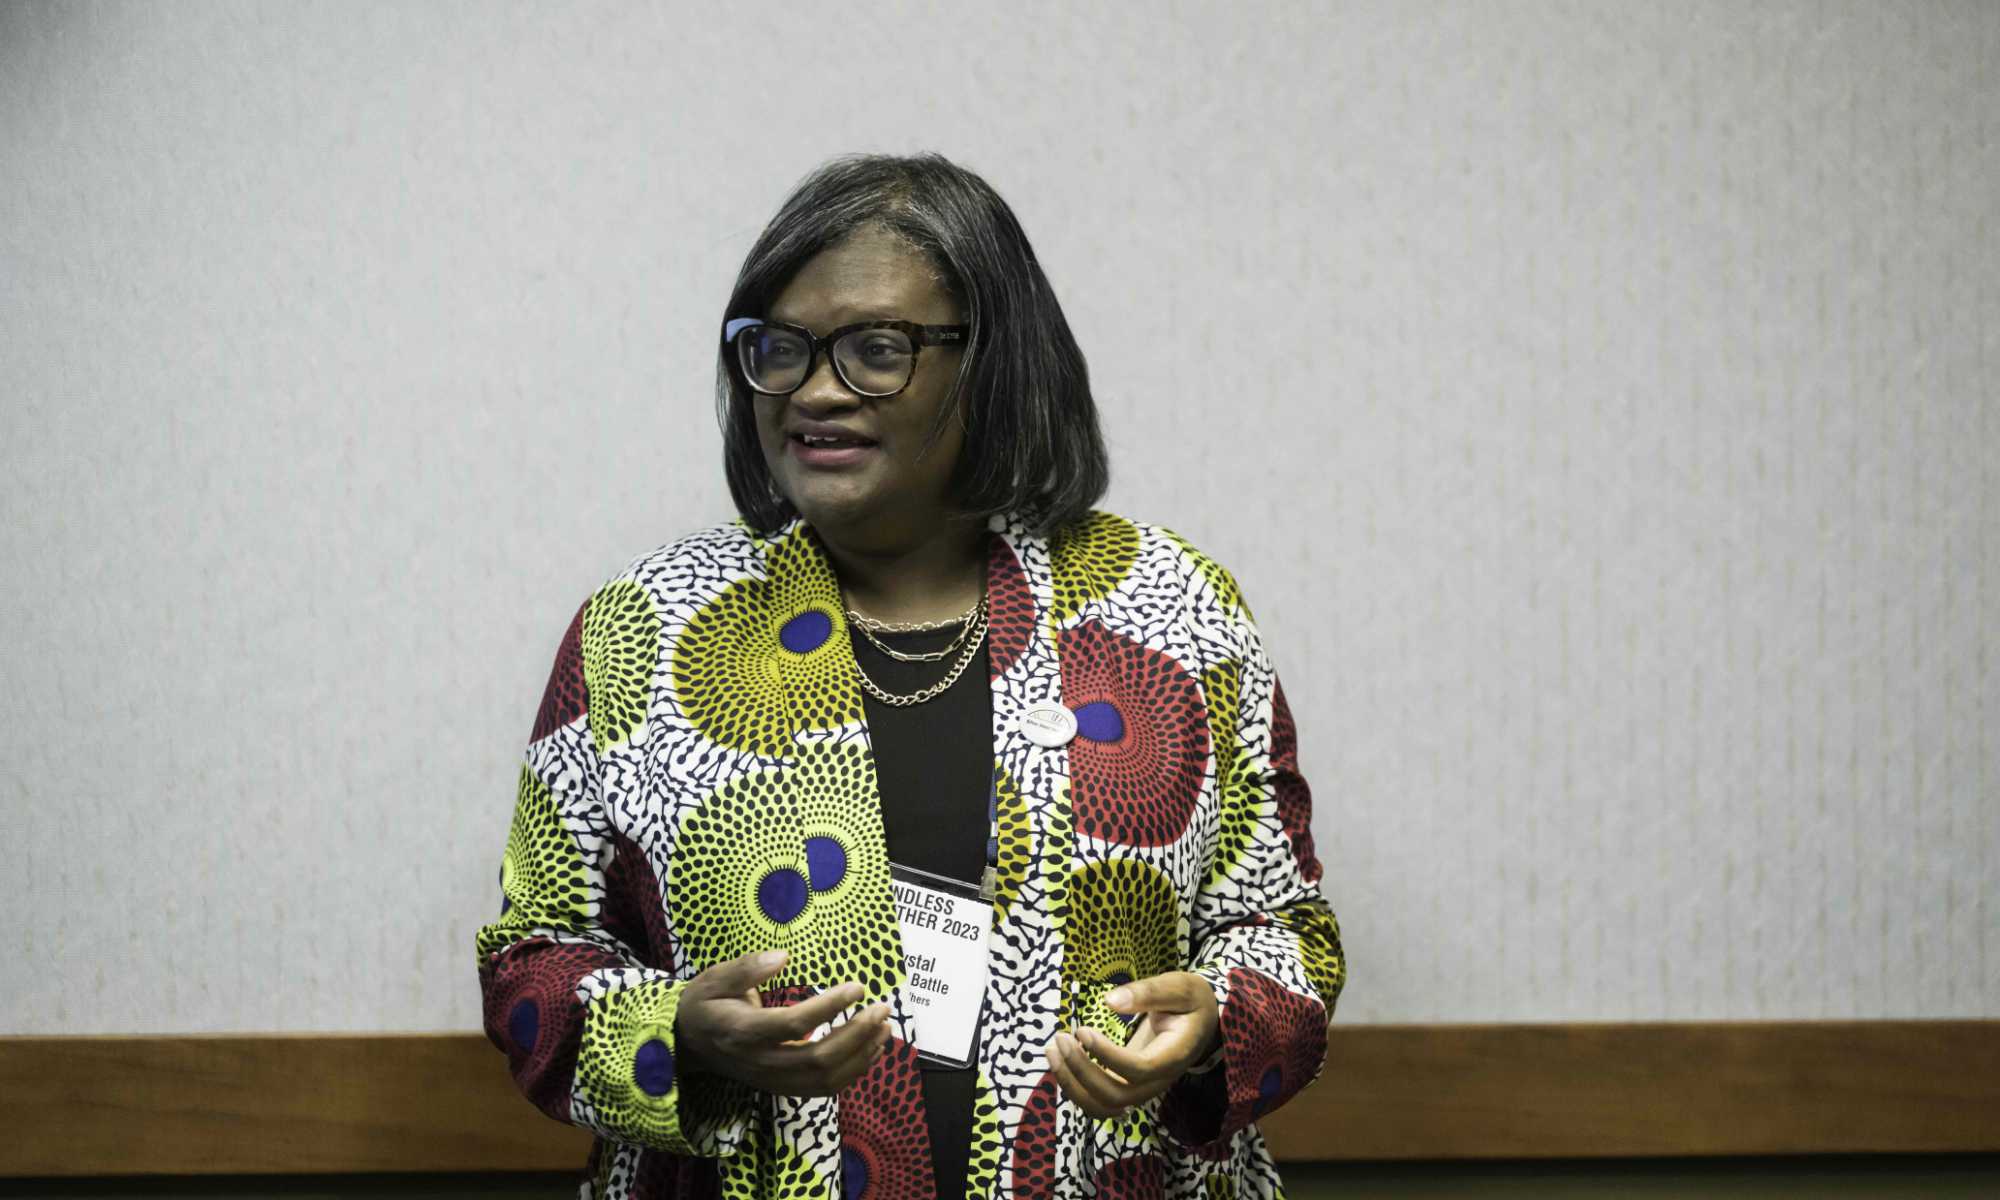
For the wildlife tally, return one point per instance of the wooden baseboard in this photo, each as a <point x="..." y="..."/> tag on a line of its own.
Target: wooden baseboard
<point x="309" y="1104"/>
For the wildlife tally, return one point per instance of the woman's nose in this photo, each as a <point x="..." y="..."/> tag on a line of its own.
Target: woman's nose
<point x="823" y="390"/>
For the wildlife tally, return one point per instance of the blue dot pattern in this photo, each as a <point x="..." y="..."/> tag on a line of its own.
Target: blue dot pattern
<point x="1269" y="1087"/>
<point x="653" y="1068"/>
<point x="1100" y="721"/>
<point x="524" y="1024"/>
<point x="782" y="895"/>
<point x="806" y="632"/>
<point x="853" y="1174"/>
<point x="826" y="863"/>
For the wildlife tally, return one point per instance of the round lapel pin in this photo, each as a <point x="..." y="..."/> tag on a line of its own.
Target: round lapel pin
<point x="1048" y="724"/>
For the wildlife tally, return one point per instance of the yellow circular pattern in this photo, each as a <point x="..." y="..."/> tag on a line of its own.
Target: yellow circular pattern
<point x="621" y="644"/>
<point x="1123" y="924"/>
<point x="1087" y="561"/>
<point x="736" y="680"/>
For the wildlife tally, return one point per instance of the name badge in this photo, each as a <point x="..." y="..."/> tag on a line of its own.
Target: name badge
<point x="945" y="925"/>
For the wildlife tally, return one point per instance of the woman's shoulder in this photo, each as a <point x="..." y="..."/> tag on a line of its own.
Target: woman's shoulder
<point x="698" y="560"/>
<point x="1100" y="541"/>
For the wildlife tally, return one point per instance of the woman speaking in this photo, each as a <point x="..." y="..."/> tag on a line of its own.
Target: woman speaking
<point x="922" y="832"/>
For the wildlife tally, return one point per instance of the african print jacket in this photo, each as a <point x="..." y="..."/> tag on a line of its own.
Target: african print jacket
<point x="698" y="785"/>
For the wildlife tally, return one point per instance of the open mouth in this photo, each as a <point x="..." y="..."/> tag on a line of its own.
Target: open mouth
<point x="815" y="442"/>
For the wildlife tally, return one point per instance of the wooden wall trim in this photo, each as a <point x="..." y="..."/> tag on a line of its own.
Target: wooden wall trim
<point x="1640" y="1090"/>
<point x="301" y="1103"/>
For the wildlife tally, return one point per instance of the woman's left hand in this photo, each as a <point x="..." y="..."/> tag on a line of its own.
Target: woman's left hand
<point x="1181" y="1026"/>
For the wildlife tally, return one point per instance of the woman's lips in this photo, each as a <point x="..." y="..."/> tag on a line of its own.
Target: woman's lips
<point x="828" y="456"/>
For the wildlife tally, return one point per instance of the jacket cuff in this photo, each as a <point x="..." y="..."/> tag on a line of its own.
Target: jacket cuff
<point x="1273" y="1044"/>
<point x="629" y="1085"/>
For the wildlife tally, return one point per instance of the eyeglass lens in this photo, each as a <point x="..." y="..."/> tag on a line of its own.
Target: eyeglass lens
<point x="873" y="362"/>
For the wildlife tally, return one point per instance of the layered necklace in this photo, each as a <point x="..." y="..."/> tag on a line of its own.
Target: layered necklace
<point x="971" y="626"/>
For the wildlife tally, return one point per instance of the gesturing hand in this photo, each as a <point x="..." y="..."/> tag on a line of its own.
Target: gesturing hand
<point x="1180" y="1028"/>
<point x="722" y="1028"/>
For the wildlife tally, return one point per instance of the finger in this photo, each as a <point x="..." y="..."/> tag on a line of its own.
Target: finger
<point x="1155" y="993"/>
<point x="1178" y="1041"/>
<point x="845" y="1054"/>
<point x="1136" y="1065"/>
<point x="850" y="1038"/>
<point x="740" y="974"/>
<point x="1142" y="1035"/>
<point x="1111" y="1095"/>
<point x="861" y="1063"/>
<point x="749" y="1033"/>
<point x="1066" y="1081"/>
<point x="1083" y="1081"/>
<point x="827" y="1066"/>
<point x="796" y="1022"/>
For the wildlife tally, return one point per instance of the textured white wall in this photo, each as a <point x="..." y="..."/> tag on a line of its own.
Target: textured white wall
<point x="1597" y="402"/>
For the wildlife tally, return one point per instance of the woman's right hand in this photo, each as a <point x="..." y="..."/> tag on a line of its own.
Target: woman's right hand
<point x="723" y="1028"/>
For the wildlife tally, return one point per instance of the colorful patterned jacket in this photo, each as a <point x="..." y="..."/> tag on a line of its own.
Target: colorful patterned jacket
<point x="698" y="785"/>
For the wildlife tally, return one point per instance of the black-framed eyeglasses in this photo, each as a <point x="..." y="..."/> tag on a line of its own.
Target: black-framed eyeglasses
<point x="872" y="358"/>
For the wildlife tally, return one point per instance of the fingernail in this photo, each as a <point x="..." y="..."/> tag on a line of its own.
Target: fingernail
<point x="770" y="958"/>
<point x="1086" y="1038"/>
<point x="1119" y="997"/>
<point x="1053" y="1049"/>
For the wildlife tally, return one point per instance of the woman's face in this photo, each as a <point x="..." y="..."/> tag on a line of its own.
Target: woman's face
<point x="885" y="487"/>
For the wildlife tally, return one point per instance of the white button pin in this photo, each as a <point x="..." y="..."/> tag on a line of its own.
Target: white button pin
<point x="1048" y="724"/>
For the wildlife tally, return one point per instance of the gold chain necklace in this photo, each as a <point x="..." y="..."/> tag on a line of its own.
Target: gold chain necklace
<point x="975" y="636"/>
<point x="867" y="622"/>
<point x="965" y="628"/>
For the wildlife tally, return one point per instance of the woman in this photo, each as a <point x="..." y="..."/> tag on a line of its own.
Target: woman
<point x="922" y="832"/>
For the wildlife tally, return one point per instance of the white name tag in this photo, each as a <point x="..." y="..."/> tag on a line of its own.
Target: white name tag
<point x="944" y="925"/>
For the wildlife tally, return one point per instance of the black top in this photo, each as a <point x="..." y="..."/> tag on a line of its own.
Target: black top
<point x="934" y="770"/>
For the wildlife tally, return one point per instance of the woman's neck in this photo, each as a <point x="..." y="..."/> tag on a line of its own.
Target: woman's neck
<point x="934" y="576"/>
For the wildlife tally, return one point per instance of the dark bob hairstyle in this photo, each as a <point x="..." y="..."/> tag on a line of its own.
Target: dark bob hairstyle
<point x="1032" y="444"/>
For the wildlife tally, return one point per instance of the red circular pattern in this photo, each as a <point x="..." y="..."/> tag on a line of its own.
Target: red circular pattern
<point x="545" y="972"/>
<point x="1033" y="1160"/>
<point x="1140" y="789"/>
<point x="1010" y="608"/>
<point x="1267" y="1026"/>
<point x="1294" y="799"/>
<point x="563" y="700"/>
<point x="632" y="911"/>
<point x="1138" y="1178"/>
<point x="882" y="1121"/>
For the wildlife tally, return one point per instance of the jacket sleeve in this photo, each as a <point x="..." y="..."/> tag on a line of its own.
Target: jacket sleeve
<point x="586" y="1021"/>
<point x="1263" y="935"/>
